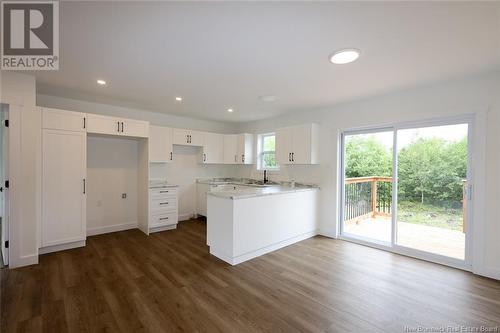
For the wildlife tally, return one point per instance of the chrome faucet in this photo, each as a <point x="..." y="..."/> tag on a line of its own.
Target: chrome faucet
<point x="265" y="177"/>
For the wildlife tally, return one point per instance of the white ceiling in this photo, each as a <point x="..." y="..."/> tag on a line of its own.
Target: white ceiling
<point x="227" y="54"/>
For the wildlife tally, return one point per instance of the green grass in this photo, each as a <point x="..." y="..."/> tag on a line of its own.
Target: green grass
<point x="431" y="215"/>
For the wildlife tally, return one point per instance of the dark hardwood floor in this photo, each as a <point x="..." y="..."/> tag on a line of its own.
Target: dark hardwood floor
<point x="168" y="282"/>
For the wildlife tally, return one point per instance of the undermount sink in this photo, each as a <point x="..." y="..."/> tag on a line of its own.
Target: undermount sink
<point x="260" y="183"/>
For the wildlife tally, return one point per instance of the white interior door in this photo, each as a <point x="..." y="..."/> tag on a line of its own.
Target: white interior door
<point x="4" y="193"/>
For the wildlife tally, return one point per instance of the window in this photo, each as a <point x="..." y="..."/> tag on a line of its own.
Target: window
<point x="267" y="152"/>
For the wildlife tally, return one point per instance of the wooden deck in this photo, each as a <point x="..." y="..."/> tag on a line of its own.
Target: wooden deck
<point x="442" y="241"/>
<point x="168" y="282"/>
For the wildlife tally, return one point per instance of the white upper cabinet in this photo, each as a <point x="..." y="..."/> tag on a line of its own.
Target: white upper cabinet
<point x="63" y="120"/>
<point x="160" y="144"/>
<point x="245" y="148"/>
<point x="213" y="149"/>
<point x="298" y="145"/>
<point x="117" y="126"/>
<point x="230" y="148"/>
<point x="135" y="128"/>
<point x="188" y="137"/>
<point x="284" y="145"/>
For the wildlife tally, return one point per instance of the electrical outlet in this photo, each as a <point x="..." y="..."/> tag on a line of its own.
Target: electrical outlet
<point x="124" y="195"/>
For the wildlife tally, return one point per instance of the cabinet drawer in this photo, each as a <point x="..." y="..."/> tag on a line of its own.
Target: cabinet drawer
<point x="164" y="204"/>
<point x="159" y="193"/>
<point x="163" y="219"/>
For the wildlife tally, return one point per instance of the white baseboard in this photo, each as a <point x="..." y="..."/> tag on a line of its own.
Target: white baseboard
<point x="61" y="247"/>
<point x="253" y="254"/>
<point x="185" y="216"/>
<point x="110" y="228"/>
<point x="489" y="273"/>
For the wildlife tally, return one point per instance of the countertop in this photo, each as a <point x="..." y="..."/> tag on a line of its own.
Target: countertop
<point x="241" y="188"/>
<point x="161" y="184"/>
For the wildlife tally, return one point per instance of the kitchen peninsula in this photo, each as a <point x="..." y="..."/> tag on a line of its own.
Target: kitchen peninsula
<point x="246" y="221"/>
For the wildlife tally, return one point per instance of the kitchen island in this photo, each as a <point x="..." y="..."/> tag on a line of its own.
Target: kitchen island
<point x="244" y="222"/>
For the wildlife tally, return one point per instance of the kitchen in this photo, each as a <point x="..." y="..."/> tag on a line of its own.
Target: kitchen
<point x="251" y="167"/>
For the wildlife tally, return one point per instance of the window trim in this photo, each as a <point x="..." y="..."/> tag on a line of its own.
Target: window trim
<point x="261" y="151"/>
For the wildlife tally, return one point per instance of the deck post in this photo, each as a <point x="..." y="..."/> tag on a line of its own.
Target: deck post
<point x="374" y="197"/>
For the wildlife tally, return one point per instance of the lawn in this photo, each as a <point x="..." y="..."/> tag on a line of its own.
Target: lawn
<point x="431" y="215"/>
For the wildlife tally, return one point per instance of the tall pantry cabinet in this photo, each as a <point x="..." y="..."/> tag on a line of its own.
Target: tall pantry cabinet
<point x="64" y="141"/>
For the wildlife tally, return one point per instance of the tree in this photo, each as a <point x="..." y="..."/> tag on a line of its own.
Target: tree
<point x="367" y="157"/>
<point x="432" y="169"/>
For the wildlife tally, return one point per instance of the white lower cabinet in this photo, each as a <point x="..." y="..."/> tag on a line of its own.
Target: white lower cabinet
<point x="163" y="208"/>
<point x="63" y="189"/>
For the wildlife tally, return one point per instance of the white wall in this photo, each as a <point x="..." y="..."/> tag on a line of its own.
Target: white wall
<point x="184" y="170"/>
<point x="112" y="169"/>
<point x="474" y="95"/>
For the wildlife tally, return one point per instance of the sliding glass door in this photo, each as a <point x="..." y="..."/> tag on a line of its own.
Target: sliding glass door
<point x="405" y="189"/>
<point x="368" y="185"/>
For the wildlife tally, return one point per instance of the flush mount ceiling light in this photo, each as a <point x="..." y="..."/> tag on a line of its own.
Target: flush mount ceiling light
<point x="268" y="98"/>
<point x="344" y="56"/>
<point x="101" y="82"/>
<point x="230" y="110"/>
<point x="178" y="99"/>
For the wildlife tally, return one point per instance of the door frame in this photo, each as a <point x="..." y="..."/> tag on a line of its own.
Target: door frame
<point x="465" y="264"/>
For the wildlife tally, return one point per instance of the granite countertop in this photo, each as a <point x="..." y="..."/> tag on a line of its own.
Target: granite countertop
<point x="154" y="183"/>
<point x="241" y="188"/>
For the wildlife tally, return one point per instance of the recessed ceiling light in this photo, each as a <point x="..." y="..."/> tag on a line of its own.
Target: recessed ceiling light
<point x="344" y="56"/>
<point x="230" y="110"/>
<point x="101" y="82"/>
<point x="267" y="98"/>
<point x="178" y="98"/>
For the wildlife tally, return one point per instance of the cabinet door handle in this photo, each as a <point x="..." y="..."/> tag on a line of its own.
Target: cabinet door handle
<point x="235" y="158"/>
<point x="243" y="158"/>
<point x="187" y="138"/>
<point x="122" y="127"/>
<point x="170" y="155"/>
<point x="204" y="157"/>
<point x="118" y="126"/>
<point x="293" y="157"/>
<point x="84" y="122"/>
<point x="84" y="186"/>
<point x="289" y="157"/>
<point x="190" y="139"/>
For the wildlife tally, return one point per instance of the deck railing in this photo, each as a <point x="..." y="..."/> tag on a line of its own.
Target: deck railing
<point x="367" y="197"/>
<point x="371" y="196"/>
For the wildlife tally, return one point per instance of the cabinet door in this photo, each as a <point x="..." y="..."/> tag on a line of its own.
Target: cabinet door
<point x="135" y="128"/>
<point x="284" y="146"/>
<point x="213" y="148"/>
<point x="301" y="144"/>
<point x="103" y="125"/>
<point x="63" y="120"/>
<point x="180" y="136"/>
<point x="160" y="144"/>
<point x="245" y="148"/>
<point x="197" y="138"/>
<point x="230" y="149"/>
<point x="63" y="187"/>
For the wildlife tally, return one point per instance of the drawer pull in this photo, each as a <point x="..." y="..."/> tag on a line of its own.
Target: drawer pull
<point x="164" y="191"/>
<point x="163" y="203"/>
<point x="163" y="218"/>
